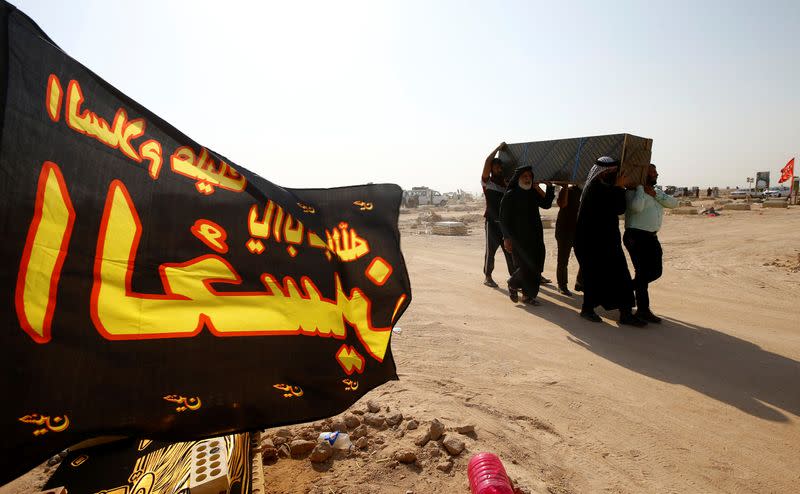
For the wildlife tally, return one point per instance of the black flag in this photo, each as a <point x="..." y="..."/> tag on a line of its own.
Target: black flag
<point x="151" y="288"/>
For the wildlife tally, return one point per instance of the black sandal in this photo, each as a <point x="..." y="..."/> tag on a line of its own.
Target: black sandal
<point x="512" y="294"/>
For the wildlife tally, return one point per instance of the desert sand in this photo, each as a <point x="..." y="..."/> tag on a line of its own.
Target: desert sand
<point x="708" y="401"/>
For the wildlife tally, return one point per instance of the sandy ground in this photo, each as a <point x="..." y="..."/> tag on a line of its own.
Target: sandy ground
<point x="708" y="401"/>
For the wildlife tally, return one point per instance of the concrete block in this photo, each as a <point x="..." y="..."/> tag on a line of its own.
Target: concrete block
<point x="449" y="228"/>
<point x="209" y="469"/>
<point x="737" y="206"/>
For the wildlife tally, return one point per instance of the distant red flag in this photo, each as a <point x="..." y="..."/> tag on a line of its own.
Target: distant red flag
<point x="787" y="172"/>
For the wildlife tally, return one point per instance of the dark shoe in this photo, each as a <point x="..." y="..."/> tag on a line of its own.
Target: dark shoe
<point x="545" y="281"/>
<point x="490" y="282"/>
<point x="512" y="294"/>
<point x="578" y="287"/>
<point x="631" y="320"/>
<point x="590" y="315"/>
<point x="564" y="291"/>
<point x="530" y="301"/>
<point x="648" y="316"/>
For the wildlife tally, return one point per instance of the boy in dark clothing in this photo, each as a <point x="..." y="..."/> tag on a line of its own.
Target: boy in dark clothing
<point x="494" y="186"/>
<point x="569" y="199"/>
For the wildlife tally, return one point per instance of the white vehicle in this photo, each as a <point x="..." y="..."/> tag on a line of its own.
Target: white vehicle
<point x="421" y="196"/>
<point x="777" y="192"/>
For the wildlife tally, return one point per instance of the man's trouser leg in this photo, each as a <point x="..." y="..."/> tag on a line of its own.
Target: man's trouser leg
<point x="564" y="249"/>
<point x="494" y="240"/>
<point x="646" y="255"/>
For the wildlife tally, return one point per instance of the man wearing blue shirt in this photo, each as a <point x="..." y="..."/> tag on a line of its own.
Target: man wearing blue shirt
<point x="643" y="216"/>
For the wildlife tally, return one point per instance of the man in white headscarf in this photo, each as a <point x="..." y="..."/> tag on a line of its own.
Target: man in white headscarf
<point x="598" y="246"/>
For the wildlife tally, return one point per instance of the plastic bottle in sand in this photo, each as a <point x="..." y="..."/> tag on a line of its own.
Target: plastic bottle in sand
<point x="487" y="475"/>
<point x="338" y="440"/>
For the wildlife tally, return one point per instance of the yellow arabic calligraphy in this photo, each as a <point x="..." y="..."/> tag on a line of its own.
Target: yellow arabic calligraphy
<point x="363" y="206"/>
<point x="346" y="244"/>
<point x="191" y="302"/>
<point x="350" y="385"/>
<point x="272" y="224"/>
<point x="289" y="391"/>
<point x="51" y="424"/>
<point x="117" y="135"/>
<point x="306" y="208"/>
<point x="205" y="170"/>
<point x="143" y="484"/>
<point x="184" y="403"/>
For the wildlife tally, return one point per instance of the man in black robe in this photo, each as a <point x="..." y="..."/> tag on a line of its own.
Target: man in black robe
<point x="598" y="246"/>
<point x="522" y="232"/>
<point x="494" y="186"/>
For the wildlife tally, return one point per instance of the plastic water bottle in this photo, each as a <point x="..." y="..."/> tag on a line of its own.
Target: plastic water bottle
<point x="487" y="475"/>
<point x="338" y="440"/>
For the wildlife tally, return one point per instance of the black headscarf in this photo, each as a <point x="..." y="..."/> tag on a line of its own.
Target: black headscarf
<point x="514" y="182"/>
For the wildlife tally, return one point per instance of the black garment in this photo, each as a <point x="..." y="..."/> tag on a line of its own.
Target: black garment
<point x="568" y="215"/>
<point x="646" y="254"/>
<point x="598" y="247"/>
<point x="520" y="221"/>
<point x="493" y="191"/>
<point x="494" y="239"/>
<point x="565" y="233"/>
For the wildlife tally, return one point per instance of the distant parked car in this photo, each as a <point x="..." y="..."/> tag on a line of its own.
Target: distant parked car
<point x="744" y="193"/>
<point x="781" y="192"/>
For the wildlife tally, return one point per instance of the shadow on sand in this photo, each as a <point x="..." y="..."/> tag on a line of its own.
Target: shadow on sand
<point x="723" y="367"/>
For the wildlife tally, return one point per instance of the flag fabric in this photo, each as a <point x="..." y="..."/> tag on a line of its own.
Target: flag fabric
<point x="142" y="466"/>
<point x="787" y="172"/>
<point x="151" y="288"/>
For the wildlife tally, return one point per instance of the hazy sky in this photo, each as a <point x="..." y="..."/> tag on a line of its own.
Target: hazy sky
<point x="320" y="94"/>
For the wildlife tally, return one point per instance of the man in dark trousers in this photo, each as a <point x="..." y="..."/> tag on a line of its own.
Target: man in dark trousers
<point x="643" y="216"/>
<point x="598" y="246"/>
<point x="523" y="233"/>
<point x="569" y="199"/>
<point x="494" y="186"/>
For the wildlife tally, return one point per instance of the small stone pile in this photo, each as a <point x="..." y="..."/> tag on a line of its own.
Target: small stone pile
<point x="428" y="217"/>
<point x="378" y="434"/>
<point x="791" y="264"/>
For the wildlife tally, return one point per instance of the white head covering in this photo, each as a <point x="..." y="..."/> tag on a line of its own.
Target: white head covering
<point x="602" y="164"/>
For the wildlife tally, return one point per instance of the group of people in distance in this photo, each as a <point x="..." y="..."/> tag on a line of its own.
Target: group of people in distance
<point x="588" y="221"/>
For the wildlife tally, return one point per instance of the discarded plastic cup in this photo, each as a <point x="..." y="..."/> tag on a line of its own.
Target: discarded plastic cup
<point x="487" y="475"/>
<point x="339" y="440"/>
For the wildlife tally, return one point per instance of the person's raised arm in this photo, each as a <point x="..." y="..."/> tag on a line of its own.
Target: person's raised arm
<point x="487" y="166"/>
<point x="665" y="199"/>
